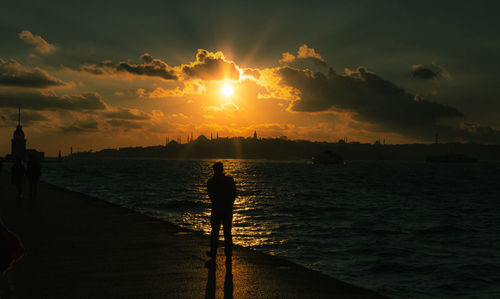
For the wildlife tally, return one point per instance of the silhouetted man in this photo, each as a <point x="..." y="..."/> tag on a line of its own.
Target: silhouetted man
<point x="33" y="171"/>
<point x="222" y="192"/>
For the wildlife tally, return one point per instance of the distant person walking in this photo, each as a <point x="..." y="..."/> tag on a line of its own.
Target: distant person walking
<point x="33" y="171"/>
<point x="222" y="193"/>
<point x="18" y="176"/>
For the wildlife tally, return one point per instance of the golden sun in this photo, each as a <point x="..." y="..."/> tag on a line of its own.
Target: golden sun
<point x="227" y="90"/>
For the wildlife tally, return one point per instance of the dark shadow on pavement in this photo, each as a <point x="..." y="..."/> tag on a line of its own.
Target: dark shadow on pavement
<point x="210" y="290"/>
<point x="228" y="282"/>
<point x="211" y="283"/>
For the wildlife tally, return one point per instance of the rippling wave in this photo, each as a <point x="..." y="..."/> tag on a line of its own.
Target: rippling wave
<point x="405" y="229"/>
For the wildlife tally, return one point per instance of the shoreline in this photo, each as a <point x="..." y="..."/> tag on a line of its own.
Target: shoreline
<point x="81" y="246"/>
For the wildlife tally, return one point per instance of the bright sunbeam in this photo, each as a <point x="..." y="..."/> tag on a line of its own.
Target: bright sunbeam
<point x="227" y="90"/>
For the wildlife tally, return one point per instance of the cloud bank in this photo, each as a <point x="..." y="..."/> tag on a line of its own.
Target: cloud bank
<point x="372" y="99"/>
<point x="150" y="67"/>
<point x="51" y="101"/>
<point x="12" y="73"/>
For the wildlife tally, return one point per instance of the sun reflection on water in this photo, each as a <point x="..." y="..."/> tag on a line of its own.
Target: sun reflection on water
<point x="246" y="231"/>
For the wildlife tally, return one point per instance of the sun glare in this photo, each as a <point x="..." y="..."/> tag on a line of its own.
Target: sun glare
<point x="227" y="90"/>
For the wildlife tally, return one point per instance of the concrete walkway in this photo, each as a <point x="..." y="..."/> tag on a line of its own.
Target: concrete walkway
<point x="82" y="247"/>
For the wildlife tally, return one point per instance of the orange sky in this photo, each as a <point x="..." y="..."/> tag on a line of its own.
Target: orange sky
<point x="144" y="105"/>
<point x="139" y="102"/>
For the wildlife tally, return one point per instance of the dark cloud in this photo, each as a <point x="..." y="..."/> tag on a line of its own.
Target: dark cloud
<point x="102" y="68"/>
<point x="126" y="118"/>
<point x="420" y="72"/>
<point x="126" y="124"/>
<point x="126" y="114"/>
<point x="81" y="126"/>
<point x="156" y="68"/>
<point x="370" y="97"/>
<point x="310" y="61"/>
<point x="211" y="66"/>
<point x="12" y="73"/>
<point x="151" y="67"/>
<point x="434" y="71"/>
<point x="147" y="58"/>
<point x="51" y="101"/>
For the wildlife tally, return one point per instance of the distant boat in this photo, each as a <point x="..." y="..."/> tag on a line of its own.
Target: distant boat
<point x="451" y="158"/>
<point x="327" y="157"/>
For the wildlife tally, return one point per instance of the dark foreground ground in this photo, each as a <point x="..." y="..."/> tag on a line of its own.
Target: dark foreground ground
<point x="82" y="247"/>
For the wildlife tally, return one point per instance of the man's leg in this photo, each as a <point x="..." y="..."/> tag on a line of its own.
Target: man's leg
<point x="228" y="237"/>
<point x="215" y="221"/>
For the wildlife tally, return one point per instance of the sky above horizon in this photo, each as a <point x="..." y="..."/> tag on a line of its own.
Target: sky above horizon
<point x="97" y="75"/>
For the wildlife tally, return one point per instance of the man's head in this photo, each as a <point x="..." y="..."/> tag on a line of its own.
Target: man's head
<point x="218" y="168"/>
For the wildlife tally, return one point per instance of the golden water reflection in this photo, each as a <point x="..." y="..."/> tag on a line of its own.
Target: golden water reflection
<point x="247" y="230"/>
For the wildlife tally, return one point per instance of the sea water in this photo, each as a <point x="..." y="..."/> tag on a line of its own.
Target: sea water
<point x="404" y="229"/>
